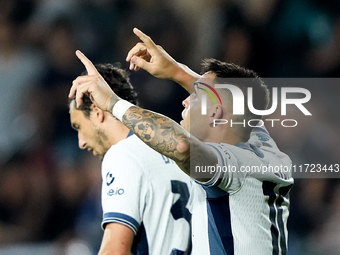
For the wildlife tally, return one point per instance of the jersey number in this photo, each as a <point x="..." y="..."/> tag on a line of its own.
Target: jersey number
<point x="179" y="210"/>
<point x="276" y="198"/>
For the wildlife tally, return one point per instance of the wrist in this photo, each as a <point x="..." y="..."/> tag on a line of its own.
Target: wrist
<point x="119" y="108"/>
<point x="113" y="101"/>
<point x="184" y="75"/>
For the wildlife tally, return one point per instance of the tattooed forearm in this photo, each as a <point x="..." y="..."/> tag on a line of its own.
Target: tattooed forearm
<point x="160" y="133"/>
<point x="170" y="139"/>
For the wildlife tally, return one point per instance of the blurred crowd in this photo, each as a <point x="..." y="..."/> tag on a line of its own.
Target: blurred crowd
<point x="50" y="189"/>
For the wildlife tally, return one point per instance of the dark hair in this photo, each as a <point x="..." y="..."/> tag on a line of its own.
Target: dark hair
<point x="242" y="78"/>
<point x="119" y="81"/>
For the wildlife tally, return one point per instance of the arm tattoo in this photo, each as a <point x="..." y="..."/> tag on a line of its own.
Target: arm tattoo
<point x="168" y="138"/>
<point x="160" y="133"/>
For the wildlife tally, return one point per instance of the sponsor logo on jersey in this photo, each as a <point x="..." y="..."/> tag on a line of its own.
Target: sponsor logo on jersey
<point x="262" y="137"/>
<point x="116" y="191"/>
<point x="109" y="179"/>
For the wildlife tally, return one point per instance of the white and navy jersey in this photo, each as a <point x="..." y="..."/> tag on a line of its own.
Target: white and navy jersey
<point x="248" y="206"/>
<point x="201" y="237"/>
<point x="148" y="193"/>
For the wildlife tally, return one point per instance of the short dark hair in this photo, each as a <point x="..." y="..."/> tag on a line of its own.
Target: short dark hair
<point x="242" y="78"/>
<point x="248" y="79"/>
<point x="119" y="81"/>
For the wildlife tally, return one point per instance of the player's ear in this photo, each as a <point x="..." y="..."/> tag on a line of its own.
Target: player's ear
<point x="98" y="113"/>
<point x="216" y="113"/>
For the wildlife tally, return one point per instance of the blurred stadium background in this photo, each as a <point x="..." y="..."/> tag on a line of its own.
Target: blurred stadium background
<point x="50" y="190"/>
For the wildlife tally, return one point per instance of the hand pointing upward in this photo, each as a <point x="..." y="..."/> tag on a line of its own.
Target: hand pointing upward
<point x="94" y="85"/>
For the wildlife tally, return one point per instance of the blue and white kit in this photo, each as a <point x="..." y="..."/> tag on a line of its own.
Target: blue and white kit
<point x="246" y="211"/>
<point x="148" y="193"/>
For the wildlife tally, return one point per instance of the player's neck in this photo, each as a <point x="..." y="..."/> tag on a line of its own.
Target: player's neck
<point x="116" y="131"/>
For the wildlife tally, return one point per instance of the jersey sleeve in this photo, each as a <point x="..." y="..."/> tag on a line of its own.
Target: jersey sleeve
<point x="124" y="189"/>
<point x="227" y="177"/>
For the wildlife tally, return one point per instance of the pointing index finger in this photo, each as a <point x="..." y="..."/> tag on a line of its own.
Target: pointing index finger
<point x="87" y="63"/>
<point x="146" y="39"/>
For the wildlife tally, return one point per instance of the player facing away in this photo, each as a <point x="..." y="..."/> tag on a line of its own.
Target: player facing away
<point x="246" y="212"/>
<point x="144" y="194"/>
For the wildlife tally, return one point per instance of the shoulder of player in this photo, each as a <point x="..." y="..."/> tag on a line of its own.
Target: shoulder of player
<point x="238" y="155"/>
<point x="127" y="146"/>
<point x="122" y="154"/>
<point x="130" y="152"/>
<point x="120" y="163"/>
<point x="132" y="143"/>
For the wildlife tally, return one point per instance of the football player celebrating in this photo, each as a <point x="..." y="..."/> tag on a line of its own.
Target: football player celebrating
<point x="246" y="211"/>
<point x="145" y="196"/>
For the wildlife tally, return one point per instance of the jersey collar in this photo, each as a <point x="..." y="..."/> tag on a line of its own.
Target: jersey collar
<point x="129" y="134"/>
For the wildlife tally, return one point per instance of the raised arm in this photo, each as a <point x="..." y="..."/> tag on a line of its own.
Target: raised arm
<point x="157" y="131"/>
<point x="170" y="139"/>
<point x="155" y="60"/>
